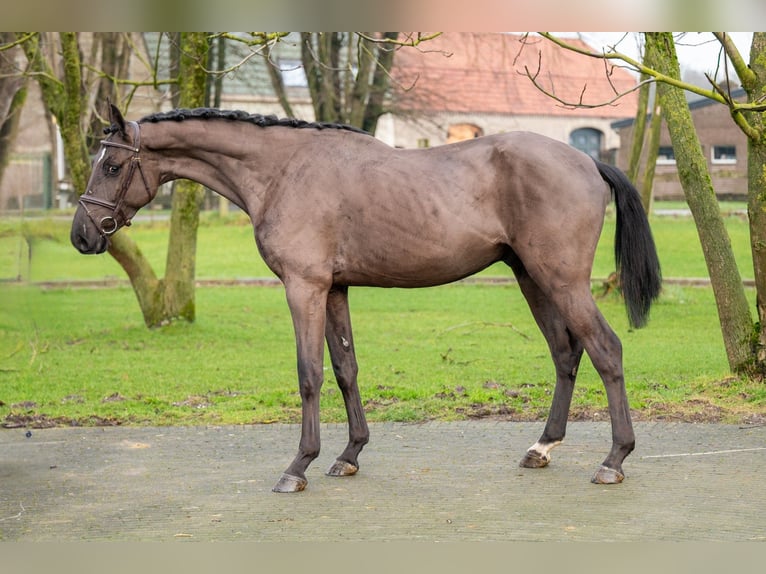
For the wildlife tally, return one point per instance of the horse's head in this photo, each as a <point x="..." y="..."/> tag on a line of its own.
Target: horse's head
<point x="113" y="194"/>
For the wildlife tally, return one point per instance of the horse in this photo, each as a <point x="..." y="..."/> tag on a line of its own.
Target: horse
<point x="332" y="207"/>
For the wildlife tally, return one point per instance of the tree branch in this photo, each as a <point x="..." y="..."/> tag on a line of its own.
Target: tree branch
<point x="409" y="41"/>
<point x="580" y="103"/>
<point x="20" y="39"/>
<point x="712" y="94"/>
<point x="744" y="73"/>
<point x="125" y="82"/>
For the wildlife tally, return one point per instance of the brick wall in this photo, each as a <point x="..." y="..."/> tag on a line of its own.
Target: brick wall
<point x="714" y="128"/>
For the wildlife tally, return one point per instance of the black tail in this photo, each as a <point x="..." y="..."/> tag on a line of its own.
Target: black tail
<point x="634" y="250"/>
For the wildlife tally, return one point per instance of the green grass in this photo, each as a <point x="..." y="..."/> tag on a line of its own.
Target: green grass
<point x="83" y="356"/>
<point x="225" y="250"/>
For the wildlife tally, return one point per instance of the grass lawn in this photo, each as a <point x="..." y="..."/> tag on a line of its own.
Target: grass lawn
<point x="83" y="356"/>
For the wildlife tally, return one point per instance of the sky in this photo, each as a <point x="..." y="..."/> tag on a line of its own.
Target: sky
<point x="696" y="50"/>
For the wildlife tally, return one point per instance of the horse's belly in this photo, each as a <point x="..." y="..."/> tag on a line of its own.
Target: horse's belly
<point x="407" y="267"/>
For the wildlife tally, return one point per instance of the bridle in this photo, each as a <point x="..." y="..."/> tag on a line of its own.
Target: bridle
<point x="109" y="224"/>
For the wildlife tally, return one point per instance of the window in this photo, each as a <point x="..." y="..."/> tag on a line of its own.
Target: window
<point x="666" y="155"/>
<point x="460" y="132"/>
<point x="724" y="154"/>
<point x="587" y="140"/>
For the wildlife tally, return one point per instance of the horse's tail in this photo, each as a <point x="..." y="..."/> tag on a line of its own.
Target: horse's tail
<point x="634" y="250"/>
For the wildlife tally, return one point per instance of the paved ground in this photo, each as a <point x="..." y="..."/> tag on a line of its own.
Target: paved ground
<point x="434" y="481"/>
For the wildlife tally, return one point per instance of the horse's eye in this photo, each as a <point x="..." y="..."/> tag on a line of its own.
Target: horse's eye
<point x="111" y="169"/>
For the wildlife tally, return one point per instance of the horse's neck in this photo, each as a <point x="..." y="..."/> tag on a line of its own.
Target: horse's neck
<point x="215" y="154"/>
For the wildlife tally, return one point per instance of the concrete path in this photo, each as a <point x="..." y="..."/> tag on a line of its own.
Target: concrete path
<point x="433" y="481"/>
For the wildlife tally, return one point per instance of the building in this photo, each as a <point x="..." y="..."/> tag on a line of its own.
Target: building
<point x="723" y="144"/>
<point x="480" y="82"/>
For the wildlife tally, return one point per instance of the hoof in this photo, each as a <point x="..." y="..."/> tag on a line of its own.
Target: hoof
<point x="534" y="459"/>
<point x="289" y="483"/>
<point x="605" y="475"/>
<point x="342" y="468"/>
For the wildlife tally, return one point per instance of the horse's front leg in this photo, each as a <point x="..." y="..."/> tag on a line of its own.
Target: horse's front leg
<point x="566" y="352"/>
<point x="307" y="304"/>
<point x="341" y="344"/>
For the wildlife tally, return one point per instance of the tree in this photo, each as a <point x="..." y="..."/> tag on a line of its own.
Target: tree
<point x="178" y="287"/>
<point x="725" y="279"/>
<point x="744" y="339"/>
<point x="753" y="78"/>
<point x="347" y="74"/>
<point x="161" y="300"/>
<point x="637" y="146"/>
<point x="13" y="93"/>
<point x="63" y="94"/>
<point x="338" y="93"/>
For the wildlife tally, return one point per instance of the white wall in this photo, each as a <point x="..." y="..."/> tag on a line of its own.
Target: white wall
<point x="403" y="132"/>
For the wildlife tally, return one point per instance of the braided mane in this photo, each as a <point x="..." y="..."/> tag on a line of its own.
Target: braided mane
<point x="179" y="115"/>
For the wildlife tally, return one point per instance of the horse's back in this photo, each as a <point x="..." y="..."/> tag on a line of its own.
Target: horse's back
<point x="375" y="215"/>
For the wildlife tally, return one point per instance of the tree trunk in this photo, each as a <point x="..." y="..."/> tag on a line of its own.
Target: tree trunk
<point x="733" y="311"/>
<point x="142" y="277"/>
<point x="64" y="100"/>
<point x="639" y="130"/>
<point x="756" y="205"/>
<point x="161" y="301"/>
<point x="313" y="73"/>
<point x="73" y="110"/>
<point x="177" y="297"/>
<point x="653" y="149"/>
<point x="12" y="95"/>
<point x="381" y="81"/>
<point x="10" y="125"/>
<point x="337" y="94"/>
<point x="114" y="55"/>
<point x="359" y="94"/>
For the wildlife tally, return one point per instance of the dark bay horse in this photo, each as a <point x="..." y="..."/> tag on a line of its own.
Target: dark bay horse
<point x="333" y="207"/>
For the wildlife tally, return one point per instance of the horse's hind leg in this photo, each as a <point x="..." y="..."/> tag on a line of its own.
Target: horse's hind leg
<point x="340" y="341"/>
<point x="605" y="351"/>
<point x="566" y="352"/>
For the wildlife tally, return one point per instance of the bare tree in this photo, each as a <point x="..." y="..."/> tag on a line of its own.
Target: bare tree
<point x="733" y="311"/>
<point x="161" y="300"/>
<point x="347" y="74"/>
<point x="12" y="95"/>
<point x="645" y="144"/>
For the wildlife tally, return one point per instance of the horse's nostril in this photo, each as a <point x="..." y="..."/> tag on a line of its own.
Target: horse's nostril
<point x="81" y="244"/>
<point x="80" y="241"/>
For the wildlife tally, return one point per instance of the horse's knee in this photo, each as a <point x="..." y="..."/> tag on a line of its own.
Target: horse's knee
<point x="310" y="450"/>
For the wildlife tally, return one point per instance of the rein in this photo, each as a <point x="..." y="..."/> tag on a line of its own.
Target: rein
<point x="109" y="224"/>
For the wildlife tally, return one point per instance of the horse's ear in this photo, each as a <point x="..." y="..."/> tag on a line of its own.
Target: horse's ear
<point x="116" y="119"/>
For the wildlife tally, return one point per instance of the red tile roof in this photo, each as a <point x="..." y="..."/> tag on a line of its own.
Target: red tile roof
<point x="474" y="72"/>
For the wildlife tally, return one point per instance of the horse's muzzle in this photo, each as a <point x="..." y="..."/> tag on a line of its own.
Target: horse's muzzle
<point x="86" y="238"/>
